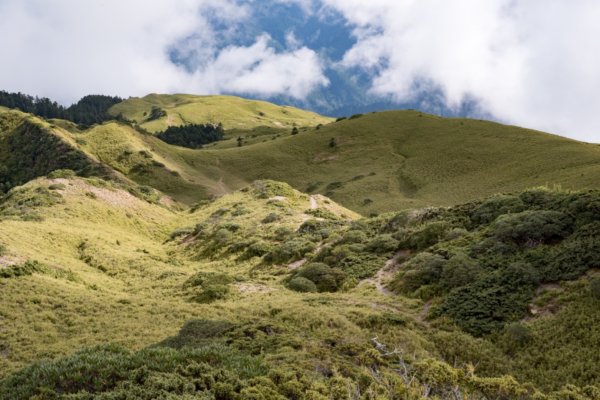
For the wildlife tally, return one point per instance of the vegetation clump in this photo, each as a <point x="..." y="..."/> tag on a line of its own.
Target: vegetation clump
<point x="193" y="136"/>
<point x="324" y="277"/>
<point x="509" y="246"/>
<point x="206" y="287"/>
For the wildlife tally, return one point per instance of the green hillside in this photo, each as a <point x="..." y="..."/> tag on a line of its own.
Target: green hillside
<point x="263" y="292"/>
<point x="380" y="162"/>
<point x="233" y="112"/>
<point x="372" y="163"/>
<point x="394" y="255"/>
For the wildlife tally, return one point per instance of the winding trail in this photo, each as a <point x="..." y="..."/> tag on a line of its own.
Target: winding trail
<point x="313" y="206"/>
<point x="385" y="274"/>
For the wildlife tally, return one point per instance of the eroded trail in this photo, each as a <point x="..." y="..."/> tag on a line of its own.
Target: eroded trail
<point x="385" y="274"/>
<point x="313" y="203"/>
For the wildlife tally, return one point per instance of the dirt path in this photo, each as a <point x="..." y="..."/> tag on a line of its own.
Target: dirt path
<point x="423" y="313"/>
<point x="299" y="263"/>
<point x="313" y="203"/>
<point x="385" y="274"/>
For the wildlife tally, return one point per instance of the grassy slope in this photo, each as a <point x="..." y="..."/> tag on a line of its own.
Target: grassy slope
<point x="399" y="159"/>
<point x="114" y="278"/>
<point x="233" y="112"/>
<point x="418" y="160"/>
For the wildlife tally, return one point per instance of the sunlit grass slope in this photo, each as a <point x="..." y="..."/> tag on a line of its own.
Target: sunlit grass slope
<point x="105" y="267"/>
<point x="399" y="159"/>
<point x="233" y="112"/>
<point x="373" y="163"/>
<point x="83" y="263"/>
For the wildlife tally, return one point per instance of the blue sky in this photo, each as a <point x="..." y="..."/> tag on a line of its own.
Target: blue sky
<point x="532" y="63"/>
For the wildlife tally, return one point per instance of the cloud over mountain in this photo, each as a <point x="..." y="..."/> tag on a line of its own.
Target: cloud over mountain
<point x="533" y="63"/>
<point x="65" y="49"/>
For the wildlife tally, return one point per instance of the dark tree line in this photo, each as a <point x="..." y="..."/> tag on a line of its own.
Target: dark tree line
<point x="193" y="136"/>
<point x="91" y="109"/>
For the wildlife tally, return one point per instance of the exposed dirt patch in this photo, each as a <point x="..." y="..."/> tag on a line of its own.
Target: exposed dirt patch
<point x="296" y="264"/>
<point x="424" y="312"/>
<point x="115" y="197"/>
<point x="7" y="261"/>
<point x="313" y="203"/>
<point x="542" y="308"/>
<point x="277" y="198"/>
<point x="252" y="288"/>
<point x="167" y="201"/>
<point x="321" y="157"/>
<point x="299" y="263"/>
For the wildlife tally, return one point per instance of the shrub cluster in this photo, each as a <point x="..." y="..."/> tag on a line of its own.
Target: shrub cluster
<point x="206" y="287"/>
<point x="193" y="136"/>
<point x="485" y="259"/>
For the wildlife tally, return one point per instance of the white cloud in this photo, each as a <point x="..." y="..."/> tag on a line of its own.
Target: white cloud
<point x="529" y="62"/>
<point x="258" y="69"/>
<point x="68" y="48"/>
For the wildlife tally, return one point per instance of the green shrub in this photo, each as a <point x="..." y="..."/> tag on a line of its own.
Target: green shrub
<point x="57" y="186"/>
<point x="113" y="372"/>
<point x="354" y="236"/>
<point x="202" y="279"/>
<point x="207" y="287"/>
<point x="210" y="293"/>
<point x="458" y="271"/>
<point x="181" y="232"/>
<point x="62" y="173"/>
<point x="532" y="227"/>
<point x="423" y="269"/>
<point x="291" y="250"/>
<point x="258" y="249"/>
<point x="382" y="244"/>
<point x="270" y="218"/>
<point x="267" y="189"/>
<point x="283" y="233"/>
<point x="517" y="334"/>
<point x="326" y="278"/>
<point x="27" y="268"/>
<point x="322" y="213"/>
<point x="492" y="208"/>
<point x="301" y="284"/>
<point x="427" y="235"/>
<point x="334" y="186"/>
<point x="222" y="237"/>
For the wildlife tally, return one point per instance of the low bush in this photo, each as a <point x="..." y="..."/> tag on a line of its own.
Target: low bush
<point x="290" y="250"/>
<point x="206" y="287"/>
<point x="302" y="284"/>
<point x="62" y="173"/>
<point x="326" y="278"/>
<point x="18" y="270"/>
<point x="270" y="218"/>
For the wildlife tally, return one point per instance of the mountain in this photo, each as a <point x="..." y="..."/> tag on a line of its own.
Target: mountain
<point x="379" y="162"/>
<point x="371" y="163"/>
<point x="232" y="112"/>
<point x="390" y="255"/>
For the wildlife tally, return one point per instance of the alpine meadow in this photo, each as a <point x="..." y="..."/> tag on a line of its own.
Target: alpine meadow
<point x="251" y="242"/>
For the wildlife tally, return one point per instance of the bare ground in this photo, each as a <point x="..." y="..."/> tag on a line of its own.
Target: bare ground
<point x="385" y="274"/>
